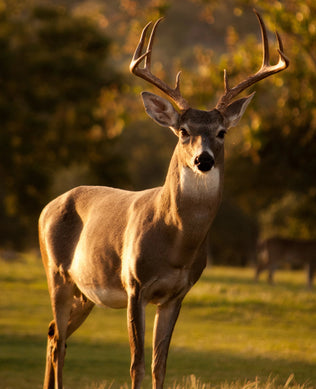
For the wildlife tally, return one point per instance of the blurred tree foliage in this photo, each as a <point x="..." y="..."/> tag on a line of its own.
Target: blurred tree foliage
<point x="271" y="164"/>
<point x="63" y="108"/>
<point x="54" y="69"/>
<point x="280" y="141"/>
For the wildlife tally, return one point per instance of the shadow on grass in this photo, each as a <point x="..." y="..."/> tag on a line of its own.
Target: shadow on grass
<point x="22" y="360"/>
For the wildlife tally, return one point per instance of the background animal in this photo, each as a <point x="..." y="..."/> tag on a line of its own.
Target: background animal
<point x="274" y="252"/>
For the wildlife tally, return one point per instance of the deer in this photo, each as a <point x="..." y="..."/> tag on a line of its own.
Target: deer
<point x="125" y="249"/>
<point x="276" y="251"/>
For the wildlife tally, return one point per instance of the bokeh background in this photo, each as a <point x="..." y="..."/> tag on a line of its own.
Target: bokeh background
<point x="71" y="113"/>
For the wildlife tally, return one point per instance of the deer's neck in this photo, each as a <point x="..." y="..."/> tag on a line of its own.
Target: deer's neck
<point x="188" y="199"/>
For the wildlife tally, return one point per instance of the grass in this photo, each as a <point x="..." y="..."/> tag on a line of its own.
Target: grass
<point x="232" y="333"/>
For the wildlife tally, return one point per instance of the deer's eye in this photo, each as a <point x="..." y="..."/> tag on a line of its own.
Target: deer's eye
<point x="184" y="133"/>
<point x="221" y="134"/>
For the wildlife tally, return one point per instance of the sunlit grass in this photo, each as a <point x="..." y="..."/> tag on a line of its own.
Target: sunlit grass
<point x="192" y="382"/>
<point x="231" y="333"/>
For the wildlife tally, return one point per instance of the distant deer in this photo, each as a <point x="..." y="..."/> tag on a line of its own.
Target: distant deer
<point x="276" y="251"/>
<point x="118" y="249"/>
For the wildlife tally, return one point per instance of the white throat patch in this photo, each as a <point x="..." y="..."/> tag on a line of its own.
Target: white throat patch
<point x="199" y="185"/>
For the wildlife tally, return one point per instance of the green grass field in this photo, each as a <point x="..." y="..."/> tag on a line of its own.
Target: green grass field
<point x="232" y="333"/>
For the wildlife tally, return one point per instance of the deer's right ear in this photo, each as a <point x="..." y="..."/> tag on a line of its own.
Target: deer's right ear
<point x="235" y="110"/>
<point x="160" y="110"/>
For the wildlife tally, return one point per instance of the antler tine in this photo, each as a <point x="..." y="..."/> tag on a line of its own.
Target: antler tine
<point x="265" y="70"/>
<point x="282" y="57"/>
<point x="150" y="43"/>
<point x="279" y="42"/>
<point x="145" y="72"/>
<point x="138" y="56"/>
<point x="265" y="42"/>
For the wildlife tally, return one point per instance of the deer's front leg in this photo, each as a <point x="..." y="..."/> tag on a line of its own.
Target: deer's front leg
<point x="136" y="330"/>
<point x="165" y="320"/>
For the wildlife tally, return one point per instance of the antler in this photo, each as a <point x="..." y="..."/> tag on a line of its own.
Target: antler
<point x="145" y="72"/>
<point x="266" y="69"/>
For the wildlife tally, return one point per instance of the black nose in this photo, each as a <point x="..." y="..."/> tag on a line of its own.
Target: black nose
<point x="204" y="162"/>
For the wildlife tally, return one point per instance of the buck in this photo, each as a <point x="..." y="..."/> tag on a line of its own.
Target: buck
<point x="277" y="251"/>
<point x="118" y="248"/>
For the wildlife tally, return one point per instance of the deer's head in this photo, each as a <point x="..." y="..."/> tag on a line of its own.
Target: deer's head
<point x="201" y="133"/>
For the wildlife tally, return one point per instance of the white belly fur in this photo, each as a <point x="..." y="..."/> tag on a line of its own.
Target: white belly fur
<point x="94" y="291"/>
<point x="112" y="298"/>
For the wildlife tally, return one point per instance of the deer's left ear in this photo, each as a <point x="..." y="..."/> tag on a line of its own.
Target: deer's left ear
<point x="233" y="113"/>
<point x="160" y="110"/>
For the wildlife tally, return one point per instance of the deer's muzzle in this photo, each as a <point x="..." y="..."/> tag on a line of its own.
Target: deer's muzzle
<point x="204" y="162"/>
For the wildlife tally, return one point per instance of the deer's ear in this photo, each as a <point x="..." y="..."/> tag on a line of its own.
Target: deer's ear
<point x="233" y="113"/>
<point x="160" y="110"/>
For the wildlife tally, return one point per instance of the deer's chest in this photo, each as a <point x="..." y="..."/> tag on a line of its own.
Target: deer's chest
<point x="167" y="286"/>
<point x="166" y="266"/>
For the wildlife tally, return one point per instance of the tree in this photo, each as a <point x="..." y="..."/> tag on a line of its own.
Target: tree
<point x="53" y="68"/>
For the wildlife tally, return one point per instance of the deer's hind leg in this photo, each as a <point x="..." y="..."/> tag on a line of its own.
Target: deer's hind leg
<point x="70" y="309"/>
<point x="62" y="295"/>
<point x="59" y="230"/>
<point x="80" y="310"/>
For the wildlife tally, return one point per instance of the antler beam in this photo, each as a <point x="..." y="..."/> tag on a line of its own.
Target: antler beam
<point x="145" y="72"/>
<point x="266" y="69"/>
